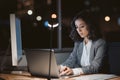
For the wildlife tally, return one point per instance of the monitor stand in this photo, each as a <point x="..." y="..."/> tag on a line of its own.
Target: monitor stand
<point x="21" y="73"/>
<point x="21" y="68"/>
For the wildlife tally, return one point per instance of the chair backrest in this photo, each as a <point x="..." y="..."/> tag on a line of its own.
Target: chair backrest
<point x="114" y="57"/>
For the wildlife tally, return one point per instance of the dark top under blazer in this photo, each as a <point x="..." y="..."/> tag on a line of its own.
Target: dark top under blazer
<point x="97" y="54"/>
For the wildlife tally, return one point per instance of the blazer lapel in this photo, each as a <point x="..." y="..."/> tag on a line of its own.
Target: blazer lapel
<point x="79" y="52"/>
<point x="92" y="51"/>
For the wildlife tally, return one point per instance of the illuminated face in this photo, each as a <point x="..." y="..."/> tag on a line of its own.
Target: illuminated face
<point x="81" y="28"/>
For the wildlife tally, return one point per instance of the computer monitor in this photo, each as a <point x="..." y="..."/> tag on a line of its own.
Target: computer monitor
<point x="16" y="42"/>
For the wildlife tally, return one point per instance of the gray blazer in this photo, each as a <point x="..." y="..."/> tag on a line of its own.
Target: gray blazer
<point x="97" y="53"/>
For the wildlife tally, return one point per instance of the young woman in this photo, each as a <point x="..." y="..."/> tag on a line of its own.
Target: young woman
<point x="89" y="47"/>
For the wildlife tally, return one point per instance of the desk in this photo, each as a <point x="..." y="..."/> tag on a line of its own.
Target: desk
<point x="20" y="76"/>
<point x="97" y="77"/>
<point x="27" y="76"/>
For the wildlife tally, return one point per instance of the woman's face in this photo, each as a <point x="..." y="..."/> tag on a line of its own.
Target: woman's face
<point x="81" y="28"/>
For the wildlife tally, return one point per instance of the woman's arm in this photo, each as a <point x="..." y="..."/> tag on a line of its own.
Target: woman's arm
<point x="71" y="61"/>
<point x="99" y="54"/>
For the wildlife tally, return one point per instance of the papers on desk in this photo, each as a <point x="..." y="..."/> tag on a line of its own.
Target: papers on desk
<point x="96" y="77"/>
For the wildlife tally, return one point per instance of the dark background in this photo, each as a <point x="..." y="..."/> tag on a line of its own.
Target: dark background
<point x="36" y="35"/>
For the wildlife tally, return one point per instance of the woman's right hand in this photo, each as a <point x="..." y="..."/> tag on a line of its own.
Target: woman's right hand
<point x="64" y="70"/>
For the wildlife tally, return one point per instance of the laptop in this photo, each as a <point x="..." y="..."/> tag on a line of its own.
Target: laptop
<point x="38" y="63"/>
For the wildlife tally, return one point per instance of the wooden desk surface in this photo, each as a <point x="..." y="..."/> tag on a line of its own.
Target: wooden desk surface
<point x="117" y="78"/>
<point x="23" y="76"/>
<point x="27" y="76"/>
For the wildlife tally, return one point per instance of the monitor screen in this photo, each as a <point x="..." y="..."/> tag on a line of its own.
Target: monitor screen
<point x="16" y="42"/>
